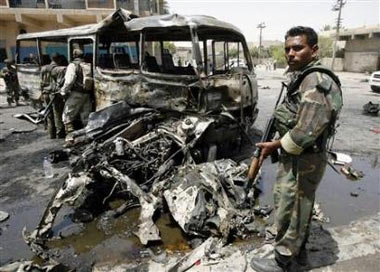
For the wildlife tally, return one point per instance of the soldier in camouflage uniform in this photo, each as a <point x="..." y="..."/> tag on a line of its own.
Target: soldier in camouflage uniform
<point x="9" y="74"/>
<point x="304" y="122"/>
<point x="52" y="77"/>
<point x="78" y="104"/>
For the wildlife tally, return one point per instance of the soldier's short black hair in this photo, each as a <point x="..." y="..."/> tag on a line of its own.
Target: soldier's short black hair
<point x="311" y="35"/>
<point x="55" y="57"/>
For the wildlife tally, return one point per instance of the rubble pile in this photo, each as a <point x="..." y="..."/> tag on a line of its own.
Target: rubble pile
<point x="162" y="162"/>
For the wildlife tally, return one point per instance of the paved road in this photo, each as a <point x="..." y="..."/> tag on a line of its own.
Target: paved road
<point x="352" y="247"/>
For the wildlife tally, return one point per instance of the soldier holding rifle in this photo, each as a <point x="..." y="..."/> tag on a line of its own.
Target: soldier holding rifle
<point x="304" y="121"/>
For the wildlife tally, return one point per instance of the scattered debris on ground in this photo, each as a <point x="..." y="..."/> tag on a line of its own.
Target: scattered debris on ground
<point x="163" y="162"/>
<point x="318" y="214"/>
<point x="354" y="194"/>
<point x="375" y="130"/>
<point x="351" y="173"/>
<point x="30" y="266"/>
<point x="371" y="108"/>
<point x="338" y="158"/>
<point x="3" y="216"/>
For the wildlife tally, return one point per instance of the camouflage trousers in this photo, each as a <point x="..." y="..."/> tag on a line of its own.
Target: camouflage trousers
<point x="12" y="94"/>
<point x="294" y="192"/>
<point x="55" y="125"/>
<point x="78" y="105"/>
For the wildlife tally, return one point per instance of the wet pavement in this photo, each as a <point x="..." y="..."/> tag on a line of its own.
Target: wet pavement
<point x="24" y="192"/>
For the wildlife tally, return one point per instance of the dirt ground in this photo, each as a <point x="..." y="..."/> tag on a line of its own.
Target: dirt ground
<point x="24" y="192"/>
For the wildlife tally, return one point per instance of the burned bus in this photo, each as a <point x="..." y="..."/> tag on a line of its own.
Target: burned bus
<point x="183" y="63"/>
<point x="173" y="94"/>
<point x="194" y="65"/>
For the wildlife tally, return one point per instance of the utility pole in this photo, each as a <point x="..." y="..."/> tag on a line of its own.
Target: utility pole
<point x="261" y="26"/>
<point x="337" y="7"/>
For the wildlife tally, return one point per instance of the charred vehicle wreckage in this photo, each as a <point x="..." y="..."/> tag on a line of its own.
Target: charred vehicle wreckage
<point x="169" y="120"/>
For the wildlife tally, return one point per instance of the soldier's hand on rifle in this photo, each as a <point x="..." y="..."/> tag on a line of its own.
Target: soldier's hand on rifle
<point x="267" y="148"/>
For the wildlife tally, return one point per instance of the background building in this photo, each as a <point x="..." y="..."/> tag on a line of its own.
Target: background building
<point x="362" y="49"/>
<point x="359" y="49"/>
<point x="26" y="16"/>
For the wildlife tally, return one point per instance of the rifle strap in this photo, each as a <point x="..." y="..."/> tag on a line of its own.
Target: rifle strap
<point x="294" y="85"/>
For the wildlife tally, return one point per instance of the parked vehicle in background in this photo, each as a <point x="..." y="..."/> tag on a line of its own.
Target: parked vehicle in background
<point x="374" y="81"/>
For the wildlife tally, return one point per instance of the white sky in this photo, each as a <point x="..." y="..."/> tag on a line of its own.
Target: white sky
<point x="280" y="15"/>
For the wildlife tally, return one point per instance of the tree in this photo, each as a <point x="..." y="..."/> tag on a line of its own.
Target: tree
<point x="277" y="53"/>
<point x="233" y="53"/>
<point x="254" y="51"/>
<point x="170" y="46"/>
<point x="326" y="28"/>
<point x="325" y="47"/>
<point x="167" y="45"/>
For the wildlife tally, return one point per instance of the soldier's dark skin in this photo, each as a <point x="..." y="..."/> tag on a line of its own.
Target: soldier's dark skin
<point x="298" y="54"/>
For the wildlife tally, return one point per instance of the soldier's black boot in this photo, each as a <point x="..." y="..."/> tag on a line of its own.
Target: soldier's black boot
<point x="61" y="134"/>
<point x="10" y="101"/>
<point x="266" y="265"/>
<point x="278" y="264"/>
<point x="302" y="257"/>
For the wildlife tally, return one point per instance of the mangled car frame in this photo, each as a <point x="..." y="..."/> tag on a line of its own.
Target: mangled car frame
<point x="172" y="108"/>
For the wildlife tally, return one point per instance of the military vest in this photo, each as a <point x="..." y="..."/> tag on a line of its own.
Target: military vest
<point x="78" y="83"/>
<point x="286" y="114"/>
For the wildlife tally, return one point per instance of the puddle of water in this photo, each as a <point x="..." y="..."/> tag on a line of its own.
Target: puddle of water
<point x="334" y="192"/>
<point x="12" y="245"/>
<point x="94" y="245"/>
<point x="118" y="243"/>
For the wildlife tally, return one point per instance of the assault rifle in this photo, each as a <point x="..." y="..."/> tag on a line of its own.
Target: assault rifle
<point x="267" y="137"/>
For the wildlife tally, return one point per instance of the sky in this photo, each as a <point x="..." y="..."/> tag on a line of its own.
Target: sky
<point x="280" y="15"/>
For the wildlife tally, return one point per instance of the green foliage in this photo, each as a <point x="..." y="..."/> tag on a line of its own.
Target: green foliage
<point x="167" y="45"/>
<point x="277" y="53"/>
<point x="254" y="51"/>
<point x="326" y="28"/>
<point x="325" y="47"/>
<point x="233" y="53"/>
<point x="170" y="46"/>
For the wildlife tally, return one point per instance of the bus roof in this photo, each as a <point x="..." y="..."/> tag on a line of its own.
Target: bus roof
<point x="176" y="20"/>
<point x="120" y="14"/>
<point x="133" y="23"/>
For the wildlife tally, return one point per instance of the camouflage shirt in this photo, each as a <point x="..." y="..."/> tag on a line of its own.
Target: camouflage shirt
<point x="46" y="81"/>
<point x="9" y="74"/>
<point x="308" y="113"/>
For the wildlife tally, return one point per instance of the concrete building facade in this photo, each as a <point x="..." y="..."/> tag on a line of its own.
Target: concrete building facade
<point x="362" y="49"/>
<point x="26" y="16"/>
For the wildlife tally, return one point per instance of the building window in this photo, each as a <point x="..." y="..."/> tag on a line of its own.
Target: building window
<point x="25" y="3"/>
<point x="101" y="4"/>
<point x="126" y="4"/>
<point x="67" y="4"/>
<point x="144" y="5"/>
